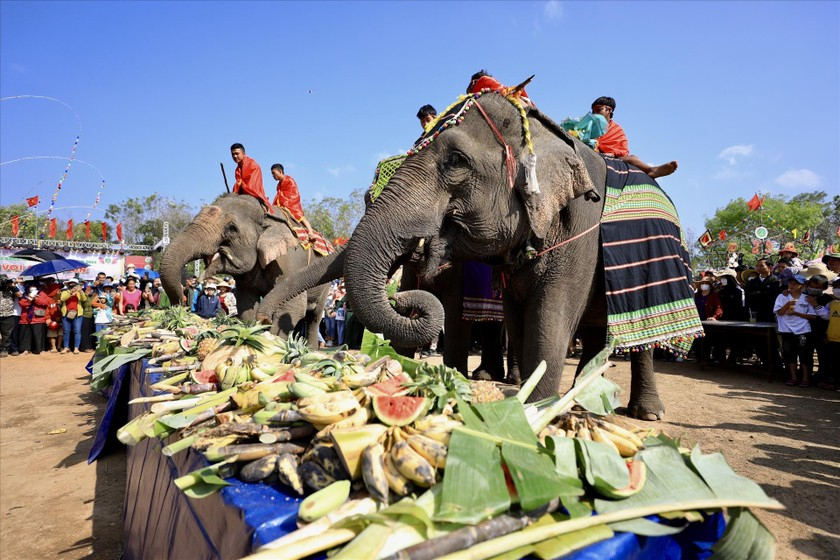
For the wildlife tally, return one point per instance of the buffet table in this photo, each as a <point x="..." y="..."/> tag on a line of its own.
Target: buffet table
<point x="160" y="522"/>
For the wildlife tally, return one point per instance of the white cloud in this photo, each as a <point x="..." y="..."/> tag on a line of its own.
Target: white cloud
<point x="732" y="153"/>
<point x="553" y="9"/>
<point x="799" y="178"/>
<point x="338" y="171"/>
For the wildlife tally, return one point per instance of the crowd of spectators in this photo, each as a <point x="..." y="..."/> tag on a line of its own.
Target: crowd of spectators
<point x="801" y="299"/>
<point x="45" y="314"/>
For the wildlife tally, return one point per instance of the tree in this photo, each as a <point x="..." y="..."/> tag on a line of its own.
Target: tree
<point x="27" y="219"/>
<point x="142" y="218"/>
<point x="335" y="217"/>
<point x="781" y="217"/>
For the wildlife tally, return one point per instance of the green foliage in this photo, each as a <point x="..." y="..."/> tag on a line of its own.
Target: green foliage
<point x="812" y="211"/>
<point x="336" y="217"/>
<point x="142" y="217"/>
<point x="27" y="220"/>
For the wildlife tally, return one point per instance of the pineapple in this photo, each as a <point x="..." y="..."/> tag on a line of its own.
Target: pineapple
<point x="205" y="346"/>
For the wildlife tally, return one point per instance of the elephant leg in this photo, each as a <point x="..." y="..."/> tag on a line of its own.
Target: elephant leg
<point x="289" y="315"/>
<point x="457" y="348"/>
<point x="514" y="326"/>
<point x="546" y="337"/>
<point x="593" y="339"/>
<point x="644" y="398"/>
<point x="247" y="304"/>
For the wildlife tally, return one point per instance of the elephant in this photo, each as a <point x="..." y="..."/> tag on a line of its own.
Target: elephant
<point x="235" y="236"/>
<point x="470" y="189"/>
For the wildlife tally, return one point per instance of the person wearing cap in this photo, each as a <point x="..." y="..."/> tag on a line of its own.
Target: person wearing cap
<point x="72" y="298"/>
<point x="832" y="261"/>
<point x="614" y="142"/>
<point x="227" y="299"/>
<point x="208" y="304"/>
<point x="794" y="314"/>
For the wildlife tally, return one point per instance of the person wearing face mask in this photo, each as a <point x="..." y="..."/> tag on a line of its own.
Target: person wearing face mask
<point x="795" y="313"/>
<point x="820" y="297"/>
<point x="709" y="308"/>
<point x="760" y="292"/>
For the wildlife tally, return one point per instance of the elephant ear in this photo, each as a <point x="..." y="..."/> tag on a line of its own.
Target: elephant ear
<point x="561" y="173"/>
<point x="273" y="243"/>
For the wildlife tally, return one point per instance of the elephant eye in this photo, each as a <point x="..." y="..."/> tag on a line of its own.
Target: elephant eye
<point x="455" y="159"/>
<point x="231" y="228"/>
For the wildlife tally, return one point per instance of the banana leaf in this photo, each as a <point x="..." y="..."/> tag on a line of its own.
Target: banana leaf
<point x="745" y="538"/>
<point x="104" y="368"/>
<point x="375" y="346"/>
<point x="603" y="468"/>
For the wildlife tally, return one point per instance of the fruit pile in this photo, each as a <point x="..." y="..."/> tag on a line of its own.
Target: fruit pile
<point x="364" y="433"/>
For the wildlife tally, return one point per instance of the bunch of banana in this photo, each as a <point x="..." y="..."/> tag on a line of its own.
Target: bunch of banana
<point x="322" y="409"/>
<point x="232" y="375"/>
<point x="619" y="434"/>
<point x="355" y="376"/>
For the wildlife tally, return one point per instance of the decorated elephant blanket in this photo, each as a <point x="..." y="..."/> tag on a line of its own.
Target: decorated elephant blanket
<point x="315" y="241"/>
<point x="650" y="301"/>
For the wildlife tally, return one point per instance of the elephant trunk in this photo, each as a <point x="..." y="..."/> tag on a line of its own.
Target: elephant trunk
<point x="199" y="240"/>
<point x="320" y="272"/>
<point x="376" y="244"/>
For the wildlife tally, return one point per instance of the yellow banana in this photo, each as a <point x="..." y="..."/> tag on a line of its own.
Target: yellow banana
<point x="619" y="431"/>
<point x="373" y="472"/>
<point x="322" y="398"/>
<point x="287" y="472"/>
<point x="399" y="484"/>
<point x="412" y="465"/>
<point x="328" y="413"/>
<point x="433" y="451"/>
<point x="583" y="432"/>
<point x="599" y="436"/>
<point x="440" y="422"/>
<point x="358" y="418"/>
<point x="624" y="446"/>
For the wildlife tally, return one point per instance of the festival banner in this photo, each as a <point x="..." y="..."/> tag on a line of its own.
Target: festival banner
<point x="32" y="201"/>
<point x="109" y="263"/>
<point x="705" y="239"/>
<point x="15" y="226"/>
<point x="70" y="229"/>
<point x="53" y="227"/>
<point x="87" y="230"/>
<point x="104" y="231"/>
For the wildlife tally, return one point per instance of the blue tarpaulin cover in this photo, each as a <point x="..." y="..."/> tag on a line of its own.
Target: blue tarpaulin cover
<point x="161" y="522"/>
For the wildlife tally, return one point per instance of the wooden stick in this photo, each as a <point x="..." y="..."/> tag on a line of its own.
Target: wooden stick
<point x="224" y="176"/>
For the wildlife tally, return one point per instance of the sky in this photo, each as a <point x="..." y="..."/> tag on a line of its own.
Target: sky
<point x="744" y="95"/>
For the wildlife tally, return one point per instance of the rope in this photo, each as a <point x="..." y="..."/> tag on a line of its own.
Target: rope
<point x="510" y="160"/>
<point x="569" y="240"/>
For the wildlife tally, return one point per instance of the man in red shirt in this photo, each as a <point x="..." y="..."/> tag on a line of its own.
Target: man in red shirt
<point x="248" y="175"/>
<point x="614" y="141"/>
<point x="288" y="195"/>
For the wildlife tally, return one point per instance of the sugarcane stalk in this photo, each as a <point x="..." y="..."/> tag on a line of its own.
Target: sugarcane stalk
<point x="566" y="402"/>
<point x="196" y="388"/>
<point x="171" y="369"/>
<point x="367" y="544"/>
<point x="168" y="382"/>
<point x="252" y="451"/>
<point x="208" y="414"/>
<point x="203" y="443"/>
<point x="153" y="399"/>
<point x="181" y="444"/>
<point x="192" y="478"/>
<point x="166" y="357"/>
<point x="170" y="405"/>
<point x="531" y="383"/>
<point x="276" y="416"/>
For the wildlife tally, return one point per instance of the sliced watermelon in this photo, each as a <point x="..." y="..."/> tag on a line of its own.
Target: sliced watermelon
<point x="399" y="410"/>
<point x="393" y="387"/>
<point x="638" y="477"/>
<point x="287" y="377"/>
<point x="186" y="344"/>
<point x="206" y="376"/>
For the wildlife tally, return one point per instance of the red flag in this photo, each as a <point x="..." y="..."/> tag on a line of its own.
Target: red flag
<point x="15" y="226"/>
<point x="119" y="233"/>
<point x="806" y="238"/>
<point x="87" y="230"/>
<point x="755" y="202"/>
<point x="69" y="229"/>
<point x="722" y="234"/>
<point x="705" y="239"/>
<point x="104" y="231"/>
<point x="33" y="201"/>
<point x="53" y="226"/>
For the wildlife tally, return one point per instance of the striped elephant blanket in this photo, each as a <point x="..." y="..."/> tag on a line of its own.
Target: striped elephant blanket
<point x="650" y="301"/>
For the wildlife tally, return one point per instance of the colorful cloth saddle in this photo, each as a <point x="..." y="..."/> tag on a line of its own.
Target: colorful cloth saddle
<point x="316" y="241"/>
<point x="650" y="301"/>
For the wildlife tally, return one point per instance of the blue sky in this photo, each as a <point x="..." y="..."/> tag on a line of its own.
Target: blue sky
<point x="743" y="94"/>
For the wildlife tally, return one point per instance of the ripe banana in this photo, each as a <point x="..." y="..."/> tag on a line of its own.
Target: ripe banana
<point x="412" y="465"/>
<point x="599" y="436"/>
<point x="583" y="432"/>
<point x="325" y="455"/>
<point x="358" y="418"/>
<point x="321" y="398"/>
<point x="287" y="471"/>
<point x="619" y="431"/>
<point x="440" y="436"/>
<point x="399" y="484"/>
<point x="433" y="451"/>
<point x="314" y="476"/>
<point x="624" y="446"/>
<point x="373" y="472"/>
<point x="440" y="422"/>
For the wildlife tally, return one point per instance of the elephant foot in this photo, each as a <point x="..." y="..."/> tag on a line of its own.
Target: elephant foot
<point x="648" y="414"/>
<point x="263" y="319"/>
<point x="482" y="374"/>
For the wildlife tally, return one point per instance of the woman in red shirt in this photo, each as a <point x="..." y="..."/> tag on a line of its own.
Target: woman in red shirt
<point x="130" y="295"/>
<point x="33" y="319"/>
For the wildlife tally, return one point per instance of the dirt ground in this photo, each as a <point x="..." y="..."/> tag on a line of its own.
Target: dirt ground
<point x="54" y="505"/>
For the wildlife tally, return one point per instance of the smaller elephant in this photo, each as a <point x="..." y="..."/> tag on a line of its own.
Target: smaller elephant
<point x="235" y="236"/>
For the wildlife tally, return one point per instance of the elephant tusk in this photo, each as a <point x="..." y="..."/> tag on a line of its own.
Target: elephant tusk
<point x="216" y="256"/>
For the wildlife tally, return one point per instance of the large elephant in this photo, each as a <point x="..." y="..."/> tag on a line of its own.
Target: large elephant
<point x="467" y="192"/>
<point x="235" y="236"/>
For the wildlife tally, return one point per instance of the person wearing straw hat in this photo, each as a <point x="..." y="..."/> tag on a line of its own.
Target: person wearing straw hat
<point x="789" y="252"/>
<point x="227" y="298"/>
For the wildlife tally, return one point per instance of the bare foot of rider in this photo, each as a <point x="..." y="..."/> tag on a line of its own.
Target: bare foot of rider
<point x="663" y="170"/>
